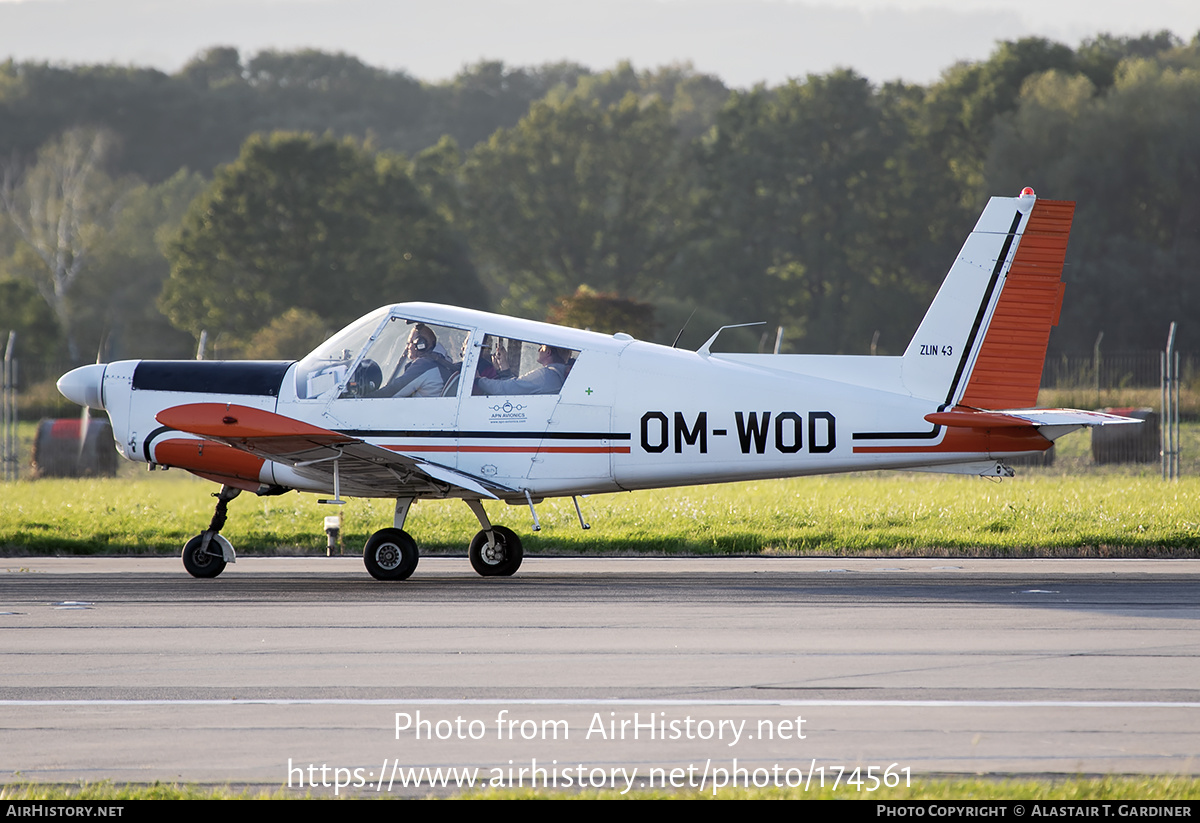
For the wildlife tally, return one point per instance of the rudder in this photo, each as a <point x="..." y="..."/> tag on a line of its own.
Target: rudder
<point x="1008" y="369"/>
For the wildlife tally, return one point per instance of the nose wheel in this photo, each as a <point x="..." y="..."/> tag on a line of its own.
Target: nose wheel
<point x="502" y="559"/>
<point x="206" y="554"/>
<point x="391" y="554"/>
<point x="206" y="561"/>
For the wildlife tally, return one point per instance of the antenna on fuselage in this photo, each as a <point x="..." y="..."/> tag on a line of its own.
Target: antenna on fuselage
<point x="675" y="342"/>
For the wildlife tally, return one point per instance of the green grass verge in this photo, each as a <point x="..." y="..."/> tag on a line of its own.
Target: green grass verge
<point x="1159" y="788"/>
<point x="870" y="514"/>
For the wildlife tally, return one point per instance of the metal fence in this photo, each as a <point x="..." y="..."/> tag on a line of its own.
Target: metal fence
<point x="1134" y="384"/>
<point x="1114" y="372"/>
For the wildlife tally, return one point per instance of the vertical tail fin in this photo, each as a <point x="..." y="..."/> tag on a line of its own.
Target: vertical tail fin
<point x="983" y="341"/>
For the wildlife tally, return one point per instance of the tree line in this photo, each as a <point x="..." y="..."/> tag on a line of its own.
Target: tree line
<point x="269" y="200"/>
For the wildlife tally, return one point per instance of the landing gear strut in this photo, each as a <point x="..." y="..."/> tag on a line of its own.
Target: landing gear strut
<point x="206" y="554"/>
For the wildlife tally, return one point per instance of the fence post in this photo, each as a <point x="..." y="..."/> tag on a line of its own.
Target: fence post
<point x="8" y="400"/>
<point x="1170" y="408"/>
<point x="1175" y="442"/>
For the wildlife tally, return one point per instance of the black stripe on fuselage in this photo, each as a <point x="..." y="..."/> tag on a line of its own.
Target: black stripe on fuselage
<point x="250" y="377"/>
<point x="962" y="363"/>
<point x="478" y="435"/>
<point x="151" y="437"/>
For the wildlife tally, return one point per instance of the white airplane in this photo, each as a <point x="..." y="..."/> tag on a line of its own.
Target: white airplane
<point x="417" y="401"/>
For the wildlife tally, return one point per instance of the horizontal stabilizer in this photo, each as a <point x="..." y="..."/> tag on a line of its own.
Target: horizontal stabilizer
<point x="971" y="419"/>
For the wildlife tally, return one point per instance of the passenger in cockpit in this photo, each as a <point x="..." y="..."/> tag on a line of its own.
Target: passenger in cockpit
<point x="547" y="378"/>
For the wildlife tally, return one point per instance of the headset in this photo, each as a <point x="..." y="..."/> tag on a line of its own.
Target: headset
<point x="422" y="342"/>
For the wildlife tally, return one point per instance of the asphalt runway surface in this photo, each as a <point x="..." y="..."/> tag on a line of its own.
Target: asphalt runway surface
<point x="627" y="672"/>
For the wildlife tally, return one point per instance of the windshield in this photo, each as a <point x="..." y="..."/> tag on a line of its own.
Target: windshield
<point x="326" y="369"/>
<point x="385" y="354"/>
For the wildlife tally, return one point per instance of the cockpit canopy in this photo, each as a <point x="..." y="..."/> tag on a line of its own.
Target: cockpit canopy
<point x="389" y="353"/>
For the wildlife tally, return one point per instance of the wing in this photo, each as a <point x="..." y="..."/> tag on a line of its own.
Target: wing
<point x="314" y="453"/>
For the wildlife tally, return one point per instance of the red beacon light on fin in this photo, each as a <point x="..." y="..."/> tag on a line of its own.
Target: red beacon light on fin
<point x="1027" y="192"/>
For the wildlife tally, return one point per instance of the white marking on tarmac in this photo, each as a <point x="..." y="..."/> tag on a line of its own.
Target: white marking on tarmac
<point x="973" y="704"/>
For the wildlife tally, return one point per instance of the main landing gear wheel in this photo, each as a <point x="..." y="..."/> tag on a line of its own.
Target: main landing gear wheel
<point x="390" y="554"/>
<point x="503" y="559"/>
<point x="208" y="563"/>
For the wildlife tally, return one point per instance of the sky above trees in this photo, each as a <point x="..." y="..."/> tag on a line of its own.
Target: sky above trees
<point x="742" y="41"/>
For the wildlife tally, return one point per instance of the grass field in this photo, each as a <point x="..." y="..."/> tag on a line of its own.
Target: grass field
<point x="974" y="788"/>
<point x="1041" y="514"/>
<point x="1072" y="508"/>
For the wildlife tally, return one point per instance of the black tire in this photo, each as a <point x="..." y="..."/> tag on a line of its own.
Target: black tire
<point x="391" y="554"/>
<point x="208" y="564"/>
<point x="504" y="560"/>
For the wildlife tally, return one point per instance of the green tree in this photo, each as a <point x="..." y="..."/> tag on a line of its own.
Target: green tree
<point x="607" y="313"/>
<point x="693" y="99"/>
<point x="316" y="224"/>
<point x="578" y="192"/>
<point x="809" y="215"/>
<point x="217" y="67"/>
<point x="435" y="171"/>
<point x="116" y="303"/>
<point x="289" y="336"/>
<point x="485" y="97"/>
<point x="62" y="206"/>
<point x="1098" y="57"/>
<point x="961" y="109"/>
<point x="24" y="311"/>
<point x="1129" y="158"/>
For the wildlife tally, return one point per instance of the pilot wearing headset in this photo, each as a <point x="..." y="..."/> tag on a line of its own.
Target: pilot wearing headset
<point x="425" y="373"/>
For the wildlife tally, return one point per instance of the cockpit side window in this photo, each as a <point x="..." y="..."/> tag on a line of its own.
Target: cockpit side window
<point x="512" y="367"/>
<point x="414" y="359"/>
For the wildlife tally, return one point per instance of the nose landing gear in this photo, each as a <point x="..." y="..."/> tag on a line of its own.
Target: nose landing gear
<point x="207" y="554"/>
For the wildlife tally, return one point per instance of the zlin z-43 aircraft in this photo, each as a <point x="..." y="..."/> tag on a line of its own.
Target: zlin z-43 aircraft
<point x="419" y="401"/>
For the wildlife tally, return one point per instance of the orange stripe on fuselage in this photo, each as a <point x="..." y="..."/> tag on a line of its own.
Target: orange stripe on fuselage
<point x="1008" y="370"/>
<point x="973" y="441"/>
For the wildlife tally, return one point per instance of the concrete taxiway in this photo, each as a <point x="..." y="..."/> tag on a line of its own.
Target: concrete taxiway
<point x="308" y="670"/>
